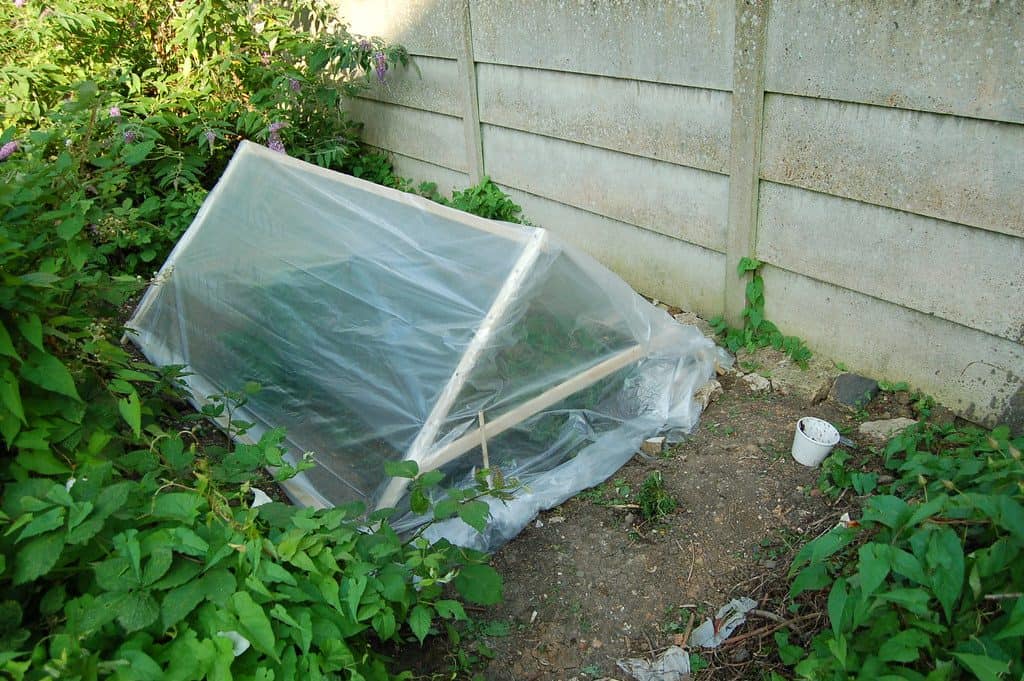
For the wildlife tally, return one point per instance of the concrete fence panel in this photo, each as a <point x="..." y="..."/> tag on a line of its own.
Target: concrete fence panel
<point x="869" y="152"/>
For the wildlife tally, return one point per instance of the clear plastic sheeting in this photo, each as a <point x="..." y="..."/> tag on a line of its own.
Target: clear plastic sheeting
<point x="381" y="326"/>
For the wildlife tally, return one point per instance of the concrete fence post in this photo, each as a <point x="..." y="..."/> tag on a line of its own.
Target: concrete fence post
<point x="470" y="101"/>
<point x="745" y="152"/>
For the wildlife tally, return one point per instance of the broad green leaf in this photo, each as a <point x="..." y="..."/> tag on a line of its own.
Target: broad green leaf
<point x="31" y="328"/>
<point x="179" y="602"/>
<point x="354" y="588"/>
<point x="446" y="508"/>
<point x="982" y="666"/>
<point x="903" y="646"/>
<point x="157" y="566"/>
<point x="136" y="153"/>
<point x="430" y="479"/>
<point x="450" y="609"/>
<point x="49" y="373"/>
<point x="1014" y="626"/>
<point x="6" y="346"/>
<point x="480" y="584"/>
<point x="945" y="560"/>
<point x="254" y="623"/>
<point x="137" y="610"/>
<point x="38" y="556"/>
<point x="42" y="461"/>
<point x="218" y="586"/>
<point x="401" y="469"/>
<point x="907" y="565"/>
<point x="131" y="411"/>
<point x="418" y="501"/>
<point x="811" y="578"/>
<point x="914" y="600"/>
<point x="384" y="624"/>
<point x="873" y="567"/>
<point x="475" y="514"/>
<point x="142" y="666"/>
<point x="115" y="574"/>
<point x="393" y="583"/>
<point x="181" y="571"/>
<point x="180" y="506"/>
<point x="419" y="621"/>
<point x="887" y="510"/>
<point x="824" y="546"/>
<point x="188" y="542"/>
<point x="10" y="395"/>
<point x="49" y="520"/>
<point x="836" y="605"/>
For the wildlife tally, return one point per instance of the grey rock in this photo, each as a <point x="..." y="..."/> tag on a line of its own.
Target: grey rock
<point x="879" y="432"/>
<point x="757" y="383"/>
<point x="853" y="390"/>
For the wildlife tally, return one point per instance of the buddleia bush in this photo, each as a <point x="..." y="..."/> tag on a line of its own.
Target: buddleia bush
<point x="129" y="547"/>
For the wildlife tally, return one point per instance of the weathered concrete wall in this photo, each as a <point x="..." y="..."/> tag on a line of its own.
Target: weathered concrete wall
<point x="870" y="152"/>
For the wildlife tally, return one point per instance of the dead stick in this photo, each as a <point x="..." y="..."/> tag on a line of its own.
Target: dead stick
<point x="686" y="632"/>
<point x="767" y="629"/>
<point x="768" y="615"/>
<point x="999" y="597"/>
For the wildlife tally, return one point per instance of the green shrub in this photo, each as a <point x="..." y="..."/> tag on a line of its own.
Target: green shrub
<point x="127" y="549"/>
<point x="928" y="587"/>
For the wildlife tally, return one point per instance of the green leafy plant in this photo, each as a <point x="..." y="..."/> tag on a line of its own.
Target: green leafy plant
<point x="927" y="586"/>
<point x="129" y="548"/>
<point x="758" y="332"/>
<point x="486" y="200"/>
<point x="655" y="501"/>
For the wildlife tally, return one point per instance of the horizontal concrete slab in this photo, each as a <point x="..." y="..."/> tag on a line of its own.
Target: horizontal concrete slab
<point x="426" y="27"/>
<point x="957" y="169"/>
<point x="688" y="126"/>
<point x="419" y="171"/>
<point x="978" y="375"/>
<point x="966" y="275"/>
<point x="674" y="200"/>
<point x="423" y="135"/>
<point x="428" y="83"/>
<point x="962" y="58"/>
<point x="685" y="42"/>
<point x="668" y="269"/>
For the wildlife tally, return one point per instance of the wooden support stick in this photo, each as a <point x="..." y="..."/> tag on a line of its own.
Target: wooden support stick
<point x="483" y="440"/>
<point x="505" y="298"/>
<point x="515" y="416"/>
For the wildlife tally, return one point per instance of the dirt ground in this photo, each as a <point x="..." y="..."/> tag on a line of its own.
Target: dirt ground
<point x="591" y="582"/>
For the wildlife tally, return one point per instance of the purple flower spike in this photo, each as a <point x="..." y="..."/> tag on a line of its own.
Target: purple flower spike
<point x="275" y="144"/>
<point x="115" y="112"/>
<point x="295" y="85"/>
<point x="276" y="127"/>
<point x="380" y="61"/>
<point x="265" y="58"/>
<point x="365" y="45"/>
<point x="8" y="149"/>
<point x="19" y="3"/>
<point x="130" y="136"/>
<point x="210" y="136"/>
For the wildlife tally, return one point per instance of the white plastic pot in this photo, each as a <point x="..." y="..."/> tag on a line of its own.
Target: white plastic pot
<point x="813" y="440"/>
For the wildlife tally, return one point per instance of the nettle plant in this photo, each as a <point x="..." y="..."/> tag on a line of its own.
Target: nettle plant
<point x="928" y="586"/>
<point x="758" y="332"/>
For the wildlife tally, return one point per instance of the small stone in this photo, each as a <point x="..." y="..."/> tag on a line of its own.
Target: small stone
<point x="707" y="393"/>
<point x="885" y="479"/>
<point x="750" y="450"/>
<point x="757" y="383"/>
<point x="653" y="445"/>
<point x="853" y="391"/>
<point x="596" y="643"/>
<point x="555" y="519"/>
<point x="880" y="432"/>
<point x="628" y="521"/>
<point x="741" y="655"/>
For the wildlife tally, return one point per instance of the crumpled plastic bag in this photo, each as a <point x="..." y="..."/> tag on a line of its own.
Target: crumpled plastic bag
<point x="728" y="617"/>
<point x="671" y="665"/>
